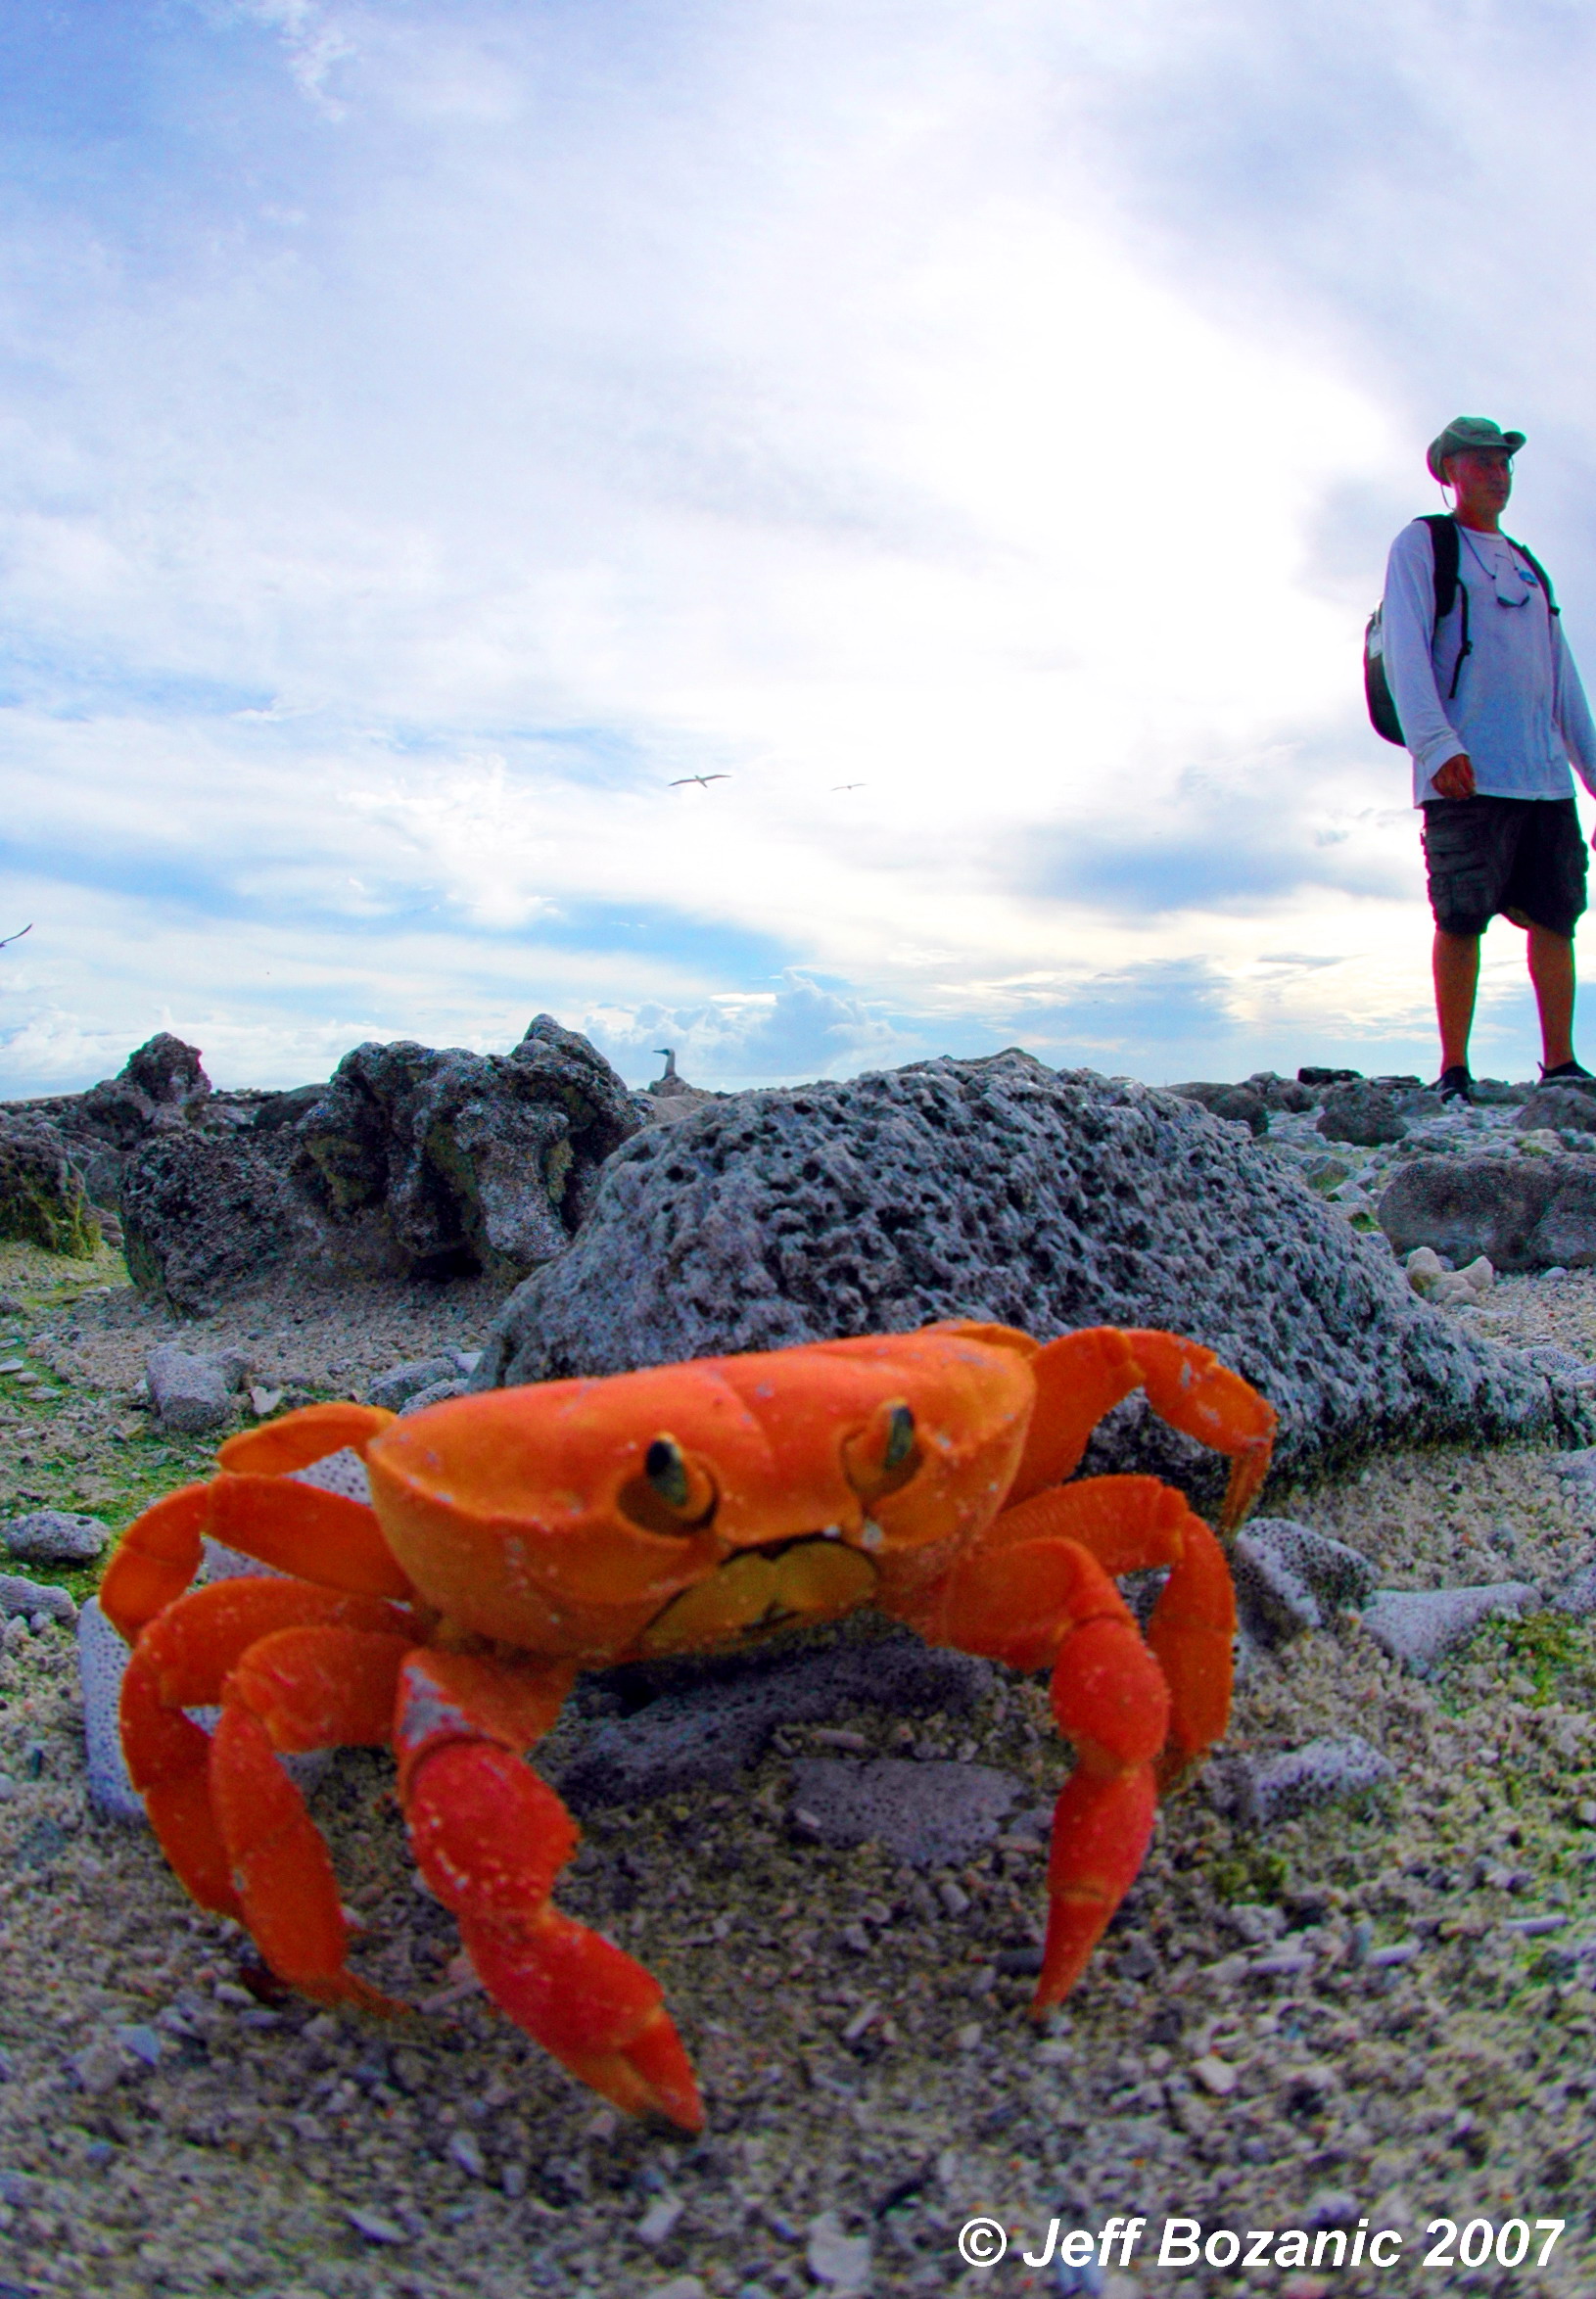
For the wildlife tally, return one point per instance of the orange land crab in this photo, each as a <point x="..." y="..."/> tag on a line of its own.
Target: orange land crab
<point x="517" y="1537"/>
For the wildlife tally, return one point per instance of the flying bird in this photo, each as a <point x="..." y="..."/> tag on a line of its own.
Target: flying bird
<point x="17" y="937"/>
<point x="849" y="786"/>
<point x="703" y="779"/>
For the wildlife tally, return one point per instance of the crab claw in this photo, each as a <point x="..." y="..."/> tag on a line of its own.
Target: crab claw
<point x="595" y="2008"/>
<point x="1082" y="1374"/>
<point x="491" y="1838"/>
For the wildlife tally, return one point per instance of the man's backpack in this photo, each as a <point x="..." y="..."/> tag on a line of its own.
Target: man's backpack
<point x="1443" y="529"/>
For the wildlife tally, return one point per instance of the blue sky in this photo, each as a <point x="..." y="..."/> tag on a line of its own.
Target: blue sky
<point x="429" y="430"/>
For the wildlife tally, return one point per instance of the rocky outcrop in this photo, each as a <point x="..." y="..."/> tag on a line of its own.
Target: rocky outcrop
<point x="204" y="1216"/>
<point x="470" y="1160"/>
<point x="1000" y="1190"/>
<point x="161" y="1088"/>
<point x="42" y="1199"/>
<point x="409" y="1162"/>
<point x="1519" y="1213"/>
<point x="1241" y="1105"/>
<point x="1364" y="1115"/>
<point x="1565" y="1108"/>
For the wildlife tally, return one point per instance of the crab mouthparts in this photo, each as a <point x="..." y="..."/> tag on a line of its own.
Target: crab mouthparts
<point x="760" y="1590"/>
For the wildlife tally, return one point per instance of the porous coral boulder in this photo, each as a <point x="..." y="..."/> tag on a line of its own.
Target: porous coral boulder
<point x="1001" y="1190"/>
<point x="412" y="1162"/>
<point x="207" y="1215"/>
<point x="1519" y="1214"/>
<point x="470" y="1160"/>
<point x="42" y="1200"/>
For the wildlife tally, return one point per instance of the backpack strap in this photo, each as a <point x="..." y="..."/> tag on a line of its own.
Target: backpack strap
<point x="1544" y="579"/>
<point x="1443" y="537"/>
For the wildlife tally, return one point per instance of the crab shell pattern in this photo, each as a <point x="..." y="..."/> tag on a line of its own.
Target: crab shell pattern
<point x="517" y="1537"/>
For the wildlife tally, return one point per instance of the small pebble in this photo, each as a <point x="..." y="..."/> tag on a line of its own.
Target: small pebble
<point x="659" y="2219"/>
<point x="1216" y="2075"/>
<point x="374" y="2228"/>
<point x="464" y="2151"/>
<point x="142" y="2042"/>
<point x="841" y="2260"/>
<point x="54" y="1536"/>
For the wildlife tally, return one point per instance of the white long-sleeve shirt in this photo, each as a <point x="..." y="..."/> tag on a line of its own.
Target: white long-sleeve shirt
<point x="1519" y="711"/>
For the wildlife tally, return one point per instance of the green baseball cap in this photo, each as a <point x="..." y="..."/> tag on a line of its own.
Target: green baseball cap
<point x="1465" y="432"/>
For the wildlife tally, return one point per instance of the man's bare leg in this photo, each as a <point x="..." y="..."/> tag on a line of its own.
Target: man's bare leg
<point x="1456" y="965"/>
<point x="1551" y="971"/>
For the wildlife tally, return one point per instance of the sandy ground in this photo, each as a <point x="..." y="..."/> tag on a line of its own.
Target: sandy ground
<point x="871" y="2079"/>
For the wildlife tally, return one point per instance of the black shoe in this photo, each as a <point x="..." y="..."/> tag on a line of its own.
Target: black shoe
<point x="1455" y="1084"/>
<point x="1567" y="1073"/>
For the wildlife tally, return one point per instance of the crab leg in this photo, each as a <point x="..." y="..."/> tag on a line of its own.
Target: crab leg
<point x="1128" y="1523"/>
<point x="491" y="1838"/>
<point x="313" y="1687"/>
<point x="186" y="1659"/>
<point x="322" y="1536"/>
<point x="1082" y="1374"/>
<point x="1032" y="1602"/>
<point x="155" y="1559"/>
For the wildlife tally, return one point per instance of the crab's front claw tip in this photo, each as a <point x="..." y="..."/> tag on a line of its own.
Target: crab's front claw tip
<point x="593" y="2007"/>
<point x="651" y="2076"/>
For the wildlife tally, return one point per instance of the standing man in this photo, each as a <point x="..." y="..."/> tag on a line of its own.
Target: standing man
<point x="1492" y="710"/>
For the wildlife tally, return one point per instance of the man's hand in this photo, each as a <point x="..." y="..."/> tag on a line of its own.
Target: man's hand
<point x="1455" y="779"/>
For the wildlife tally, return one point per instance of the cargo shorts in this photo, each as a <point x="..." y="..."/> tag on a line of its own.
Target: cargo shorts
<point x="1523" y="857"/>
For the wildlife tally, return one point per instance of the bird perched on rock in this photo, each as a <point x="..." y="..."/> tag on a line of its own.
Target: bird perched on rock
<point x="670" y="1082"/>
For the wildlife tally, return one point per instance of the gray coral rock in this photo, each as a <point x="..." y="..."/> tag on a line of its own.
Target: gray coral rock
<point x="395" y="1388"/>
<point x="102" y="1662"/>
<point x="1290" y="1578"/>
<point x="189" y="1394"/>
<point x="1578" y="1596"/>
<point x="1366" y="1114"/>
<point x="719" y="1721"/>
<point x="1000" y="1190"/>
<point x="1419" y="1626"/>
<point x="930" y="1815"/>
<point x="1565" y="1108"/>
<point x="475" y="1160"/>
<point x="54" y="1536"/>
<point x="42" y="1199"/>
<point x="438" y="1392"/>
<point x="1259" y="1792"/>
<point x="1241" y="1105"/>
<point x="21" y="1599"/>
<point x="1520" y="1213"/>
<point x="204" y="1216"/>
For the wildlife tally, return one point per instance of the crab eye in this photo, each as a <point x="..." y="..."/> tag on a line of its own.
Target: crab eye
<point x="899" y="1437"/>
<point x="673" y="1494"/>
<point x="665" y="1465"/>
<point x="883" y="1455"/>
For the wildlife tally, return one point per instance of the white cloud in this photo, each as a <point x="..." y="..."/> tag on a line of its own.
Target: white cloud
<point x="562" y="401"/>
